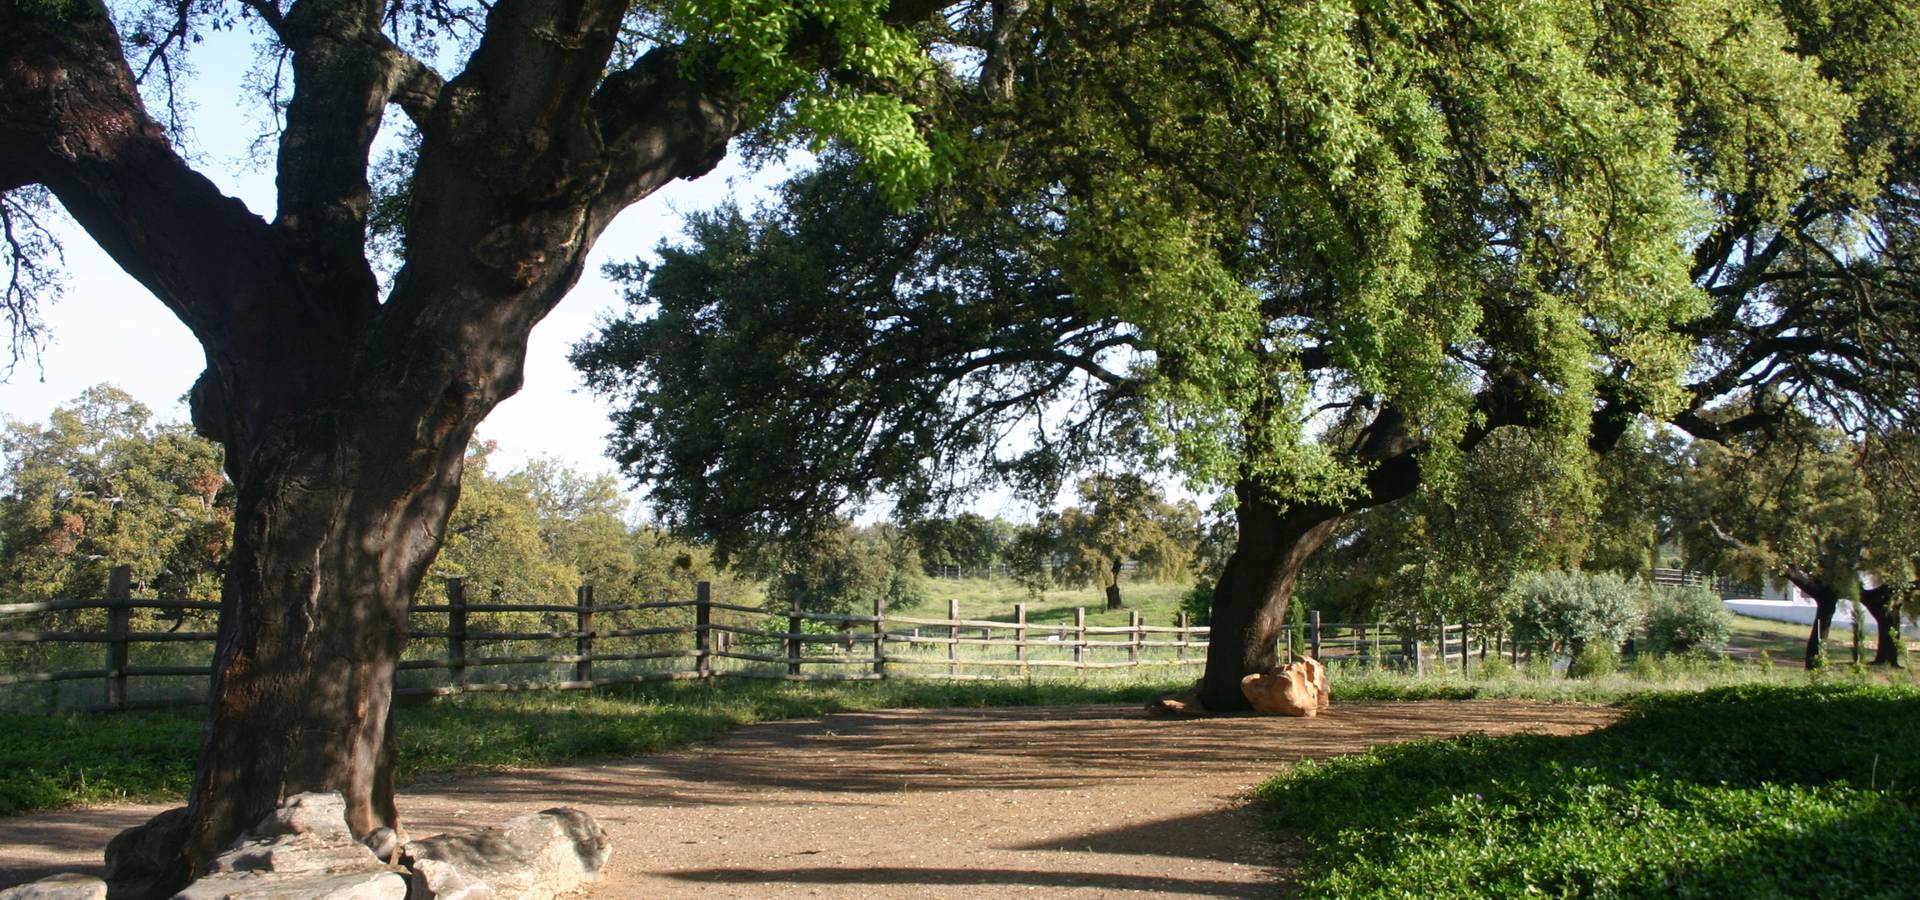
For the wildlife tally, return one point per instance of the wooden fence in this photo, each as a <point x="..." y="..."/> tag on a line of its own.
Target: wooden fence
<point x="461" y="646"/>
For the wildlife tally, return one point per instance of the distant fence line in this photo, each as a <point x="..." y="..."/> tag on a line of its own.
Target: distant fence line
<point x="630" y="643"/>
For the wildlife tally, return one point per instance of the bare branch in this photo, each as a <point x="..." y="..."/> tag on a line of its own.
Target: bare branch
<point x="32" y="261"/>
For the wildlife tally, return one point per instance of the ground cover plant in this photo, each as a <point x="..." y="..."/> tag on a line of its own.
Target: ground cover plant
<point x="1807" y="789"/>
<point x="53" y="762"/>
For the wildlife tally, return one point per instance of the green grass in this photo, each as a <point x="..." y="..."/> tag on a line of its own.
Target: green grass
<point x="1756" y="790"/>
<point x="54" y="762"/>
<point x="1787" y="640"/>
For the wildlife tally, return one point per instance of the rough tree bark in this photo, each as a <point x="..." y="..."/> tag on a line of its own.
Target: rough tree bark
<point x="1276" y="539"/>
<point x="1826" y="600"/>
<point x="346" y="417"/>
<point x="1879" y="603"/>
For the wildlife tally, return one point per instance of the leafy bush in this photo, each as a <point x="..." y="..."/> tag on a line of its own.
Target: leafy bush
<point x="1570" y="610"/>
<point x="1197" y="603"/>
<point x="1594" y="661"/>
<point x="1683" y="619"/>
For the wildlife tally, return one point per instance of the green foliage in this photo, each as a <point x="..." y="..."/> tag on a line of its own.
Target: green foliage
<point x="1572" y="611"/>
<point x="845" y="570"/>
<point x="1681" y="619"/>
<point x="970" y="542"/>
<point x="779" y="369"/>
<point x="539" y="533"/>
<point x="1197" y="603"/>
<point x="1452" y="551"/>
<point x="101" y="484"/>
<point x="496" y="542"/>
<point x="1030" y="555"/>
<point x="776" y="50"/>
<point x="1756" y="790"/>
<point x="1593" y="661"/>
<point x="1120" y="519"/>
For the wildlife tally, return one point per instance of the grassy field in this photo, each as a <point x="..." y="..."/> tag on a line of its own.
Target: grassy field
<point x="1759" y="790"/>
<point x="983" y="598"/>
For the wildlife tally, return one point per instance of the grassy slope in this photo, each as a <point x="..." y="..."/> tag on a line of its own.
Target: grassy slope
<point x="1755" y="790"/>
<point x="1158" y="604"/>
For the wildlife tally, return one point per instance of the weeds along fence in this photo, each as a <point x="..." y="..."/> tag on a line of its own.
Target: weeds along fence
<point x="120" y="652"/>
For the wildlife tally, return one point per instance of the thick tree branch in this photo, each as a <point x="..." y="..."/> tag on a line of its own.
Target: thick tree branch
<point x="71" y="119"/>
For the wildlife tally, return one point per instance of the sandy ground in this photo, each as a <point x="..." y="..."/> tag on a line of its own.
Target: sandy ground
<point x="1063" y="801"/>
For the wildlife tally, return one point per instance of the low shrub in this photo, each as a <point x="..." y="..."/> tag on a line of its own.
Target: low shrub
<point x="1570" y="610"/>
<point x="1679" y="620"/>
<point x="1494" y="666"/>
<point x="1594" y="661"/>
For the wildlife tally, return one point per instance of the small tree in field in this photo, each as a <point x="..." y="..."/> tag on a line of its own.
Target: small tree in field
<point x="1121" y="519"/>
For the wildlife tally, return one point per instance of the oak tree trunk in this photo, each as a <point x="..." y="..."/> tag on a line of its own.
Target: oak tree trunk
<point x="1826" y="600"/>
<point x="346" y="414"/>
<point x="1250" y="601"/>
<point x="1877" y="602"/>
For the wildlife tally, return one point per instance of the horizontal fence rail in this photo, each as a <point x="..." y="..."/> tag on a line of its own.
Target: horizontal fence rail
<point x="461" y="647"/>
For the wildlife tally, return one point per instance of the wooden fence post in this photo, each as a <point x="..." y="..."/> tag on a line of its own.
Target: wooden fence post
<point x="1020" y="633"/>
<point x="953" y="636"/>
<point x="1133" y="622"/>
<point x="793" y="637"/>
<point x="703" y="629"/>
<point x="1186" y="634"/>
<point x="583" y="642"/>
<point x="1314" y="618"/>
<point x="880" y="637"/>
<point x="457" y="632"/>
<point x="119" y="622"/>
<point x="1079" y="636"/>
<point x="1464" y="635"/>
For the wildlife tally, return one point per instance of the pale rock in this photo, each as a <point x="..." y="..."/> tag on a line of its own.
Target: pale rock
<point x="65" y="886"/>
<point x="528" y="858"/>
<point x="364" y="885"/>
<point x="301" y="851"/>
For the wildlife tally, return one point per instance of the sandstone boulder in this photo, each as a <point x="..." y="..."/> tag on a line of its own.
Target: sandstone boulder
<point x="1295" y="689"/>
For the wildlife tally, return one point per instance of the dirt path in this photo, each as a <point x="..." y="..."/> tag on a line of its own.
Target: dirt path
<point x="1066" y="801"/>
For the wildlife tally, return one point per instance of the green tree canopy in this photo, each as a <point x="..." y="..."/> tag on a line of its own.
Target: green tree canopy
<point x="1320" y="252"/>
<point x="1793" y="500"/>
<point x="102" y="484"/>
<point x="1124" y="519"/>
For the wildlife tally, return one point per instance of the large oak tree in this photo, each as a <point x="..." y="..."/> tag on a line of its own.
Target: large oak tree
<point x="1319" y="251"/>
<point x="345" y="406"/>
